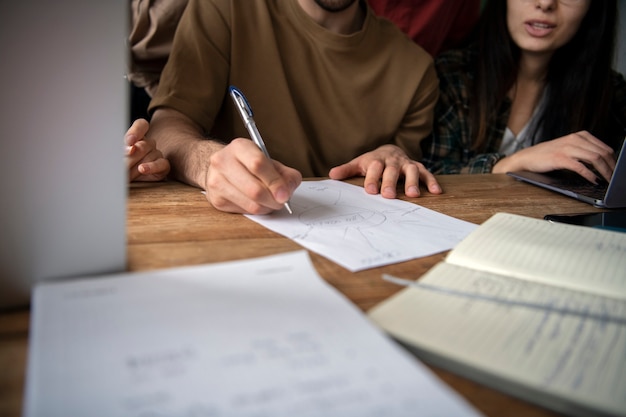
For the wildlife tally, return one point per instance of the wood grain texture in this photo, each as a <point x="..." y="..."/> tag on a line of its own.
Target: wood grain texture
<point x="170" y="224"/>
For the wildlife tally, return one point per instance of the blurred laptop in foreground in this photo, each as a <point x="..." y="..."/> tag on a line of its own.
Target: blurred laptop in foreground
<point x="64" y="114"/>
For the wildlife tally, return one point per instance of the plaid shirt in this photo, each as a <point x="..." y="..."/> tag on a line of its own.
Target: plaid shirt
<point x="449" y="149"/>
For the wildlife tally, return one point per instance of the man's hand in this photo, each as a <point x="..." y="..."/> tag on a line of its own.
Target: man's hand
<point x="143" y="160"/>
<point x="240" y="179"/>
<point x="386" y="165"/>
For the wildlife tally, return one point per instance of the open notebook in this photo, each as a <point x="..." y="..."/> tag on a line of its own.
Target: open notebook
<point x="529" y="307"/>
<point x="605" y="195"/>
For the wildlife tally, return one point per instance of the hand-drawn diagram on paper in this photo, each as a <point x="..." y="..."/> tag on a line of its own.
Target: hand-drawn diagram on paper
<point x="343" y="223"/>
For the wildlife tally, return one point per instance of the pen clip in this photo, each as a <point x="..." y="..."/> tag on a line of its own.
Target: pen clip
<point x="242" y="103"/>
<point x="246" y="114"/>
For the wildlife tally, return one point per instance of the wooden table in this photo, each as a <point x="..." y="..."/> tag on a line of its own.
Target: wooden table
<point x="171" y="224"/>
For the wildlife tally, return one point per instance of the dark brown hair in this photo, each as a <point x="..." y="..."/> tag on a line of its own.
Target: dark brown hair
<point x="579" y="78"/>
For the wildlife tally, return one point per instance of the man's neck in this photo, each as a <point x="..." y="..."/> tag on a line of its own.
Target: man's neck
<point x="344" y="22"/>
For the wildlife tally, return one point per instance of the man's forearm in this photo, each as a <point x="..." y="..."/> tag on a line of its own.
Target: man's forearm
<point x="183" y="144"/>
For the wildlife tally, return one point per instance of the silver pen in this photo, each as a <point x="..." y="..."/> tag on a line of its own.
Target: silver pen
<point x="245" y="111"/>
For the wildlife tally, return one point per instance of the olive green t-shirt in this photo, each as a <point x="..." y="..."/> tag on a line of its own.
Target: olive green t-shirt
<point x="319" y="98"/>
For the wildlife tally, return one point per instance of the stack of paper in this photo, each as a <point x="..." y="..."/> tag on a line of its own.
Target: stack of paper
<point x="263" y="337"/>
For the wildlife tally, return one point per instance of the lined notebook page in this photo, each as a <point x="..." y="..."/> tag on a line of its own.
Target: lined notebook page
<point x="565" y="356"/>
<point x="575" y="257"/>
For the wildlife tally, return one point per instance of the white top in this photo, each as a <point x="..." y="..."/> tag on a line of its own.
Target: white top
<point x="511" y="143"/>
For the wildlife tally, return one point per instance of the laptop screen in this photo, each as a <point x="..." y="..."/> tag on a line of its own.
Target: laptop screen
<point x="64" y="111"/>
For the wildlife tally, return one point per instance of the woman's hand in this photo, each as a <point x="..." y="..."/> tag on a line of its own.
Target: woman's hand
<point x="578" y="152"/>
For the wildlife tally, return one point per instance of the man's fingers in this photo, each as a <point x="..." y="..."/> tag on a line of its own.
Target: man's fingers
<point x="241" y="179"/>
<point x="411" y="180"/>
<point x="140" y="151"/>
<point x="373" y="174"/>
<point x="136" y="132"/>
<point x="432" y="184"/>
<point x="389" y="182"/>
<point x="242" y="198"/>
<point x="156" y="170"/>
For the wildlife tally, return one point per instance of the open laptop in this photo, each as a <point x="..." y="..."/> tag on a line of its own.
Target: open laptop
<point x="611" y="195"/>
<point x="64" y="111"/>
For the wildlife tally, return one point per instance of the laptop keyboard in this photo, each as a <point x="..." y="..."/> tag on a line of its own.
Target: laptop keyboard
<point x="582" y="186"/>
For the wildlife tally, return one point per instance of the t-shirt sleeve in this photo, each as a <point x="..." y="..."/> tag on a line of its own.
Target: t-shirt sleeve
<point x="195" y="78"/>
<point x="417" y="123"/>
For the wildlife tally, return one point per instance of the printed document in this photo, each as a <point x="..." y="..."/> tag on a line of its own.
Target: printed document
<point x="261" y="337"/>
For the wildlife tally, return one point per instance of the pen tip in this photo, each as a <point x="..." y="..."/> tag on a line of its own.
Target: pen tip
<point x="288" y="207"/>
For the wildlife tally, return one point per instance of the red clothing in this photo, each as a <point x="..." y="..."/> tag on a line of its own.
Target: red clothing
<point x="434" y="25"/>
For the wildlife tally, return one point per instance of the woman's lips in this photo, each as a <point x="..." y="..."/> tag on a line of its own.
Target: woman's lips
<point x="539" y="28"/>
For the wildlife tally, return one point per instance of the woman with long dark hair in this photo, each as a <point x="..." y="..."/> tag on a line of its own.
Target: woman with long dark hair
<point x="535" y="91"/>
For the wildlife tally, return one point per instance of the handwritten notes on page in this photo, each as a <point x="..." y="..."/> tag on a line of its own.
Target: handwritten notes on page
<point x="574" y="363"/>
<point x="359" y="231"/>
<point x="262" y="337"/>
<point x="530" y="307"/>
<point x="576" y="257"/>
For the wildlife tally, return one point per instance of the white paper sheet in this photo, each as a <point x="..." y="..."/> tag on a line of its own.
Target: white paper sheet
<point x="358" y="231"/>
<point x="263" y="337"/>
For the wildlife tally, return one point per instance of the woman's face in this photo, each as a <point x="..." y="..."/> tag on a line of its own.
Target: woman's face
<point x="543" y="26"/>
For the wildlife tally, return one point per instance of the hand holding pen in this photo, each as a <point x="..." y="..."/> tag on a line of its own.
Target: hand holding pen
<point x="245" y="111"/>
